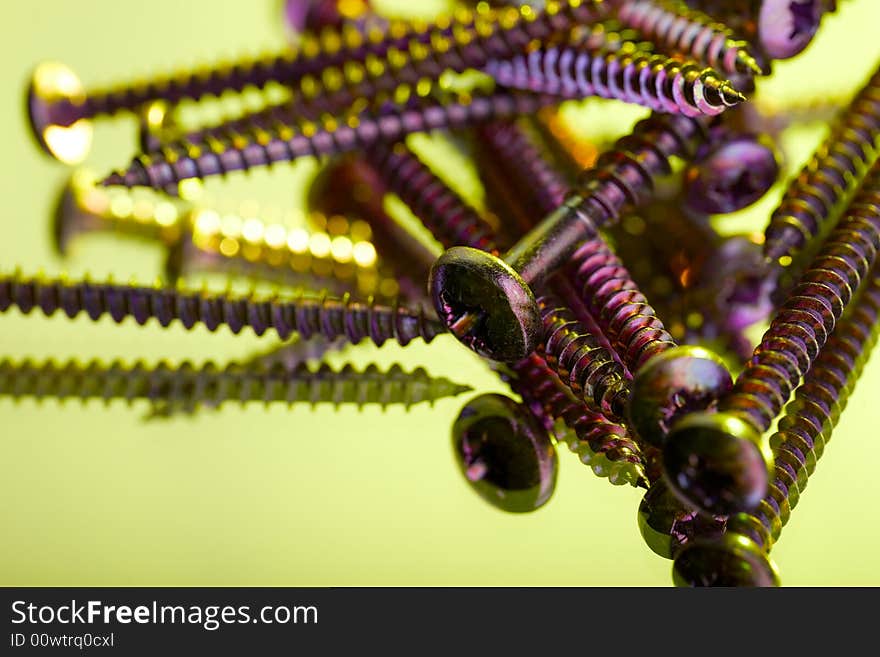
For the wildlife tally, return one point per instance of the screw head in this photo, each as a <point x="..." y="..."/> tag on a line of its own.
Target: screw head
<point x="732" y="176"/>
<point x="345" y="186"/>
<point x="786" y="27"/>
<point x="717" y="462"/>
<point x="50" y="83"/>
<point x="666" y="523"/>
<point x="315" y="15"/>
<point x="485" y="304"/>
<point x="675" y="381"/>
<point x="506" y="456"/>
<point x="730" y="560"/>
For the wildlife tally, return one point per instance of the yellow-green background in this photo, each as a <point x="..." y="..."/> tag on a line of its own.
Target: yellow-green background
<point x="95" y="496"/>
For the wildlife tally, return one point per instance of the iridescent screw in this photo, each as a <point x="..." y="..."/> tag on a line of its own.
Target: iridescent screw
<point x="60" y="109"/>
<point x="187" y="387"/>
<point x="505" y="454"/>
<point x="733" y="173"/>
<point x="782" y="28"/>
<point x="487" y="301"/>
<point x="740" y="557"/>
<point x="669" y="381"/>
<point x="83" y="207"/>
<point x="350" y="186"/>
<point x="248" y="145"/>
<point x="307" y="316"/>
<point x="341" y="259"/>
<point x="678" y="29"/>
<point x="815" y="199"/>
<point x="655" y="81"/>
<point x="719" y="462"/>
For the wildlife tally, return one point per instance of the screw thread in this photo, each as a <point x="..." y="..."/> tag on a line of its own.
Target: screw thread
<point x="328" y="317"/>
<point x="621" y="310"/>
<point x="525" y="166"/>
<point x="233" y="243"/>
<point x="810" y="418"/>
<point x="814" y="200"/>
<point x="450" y="219"/>
<point x="587" y="367"/>
<point x="654" y="81"/>
<point x="599" y="443"/>
<point x="311" y="56"/>
<point x="674" y="26"/>
<point x="802" y="325"/>
<point x="187" y="387"/>
<point x="624" y="177"/>
<point x="242" y="151"/>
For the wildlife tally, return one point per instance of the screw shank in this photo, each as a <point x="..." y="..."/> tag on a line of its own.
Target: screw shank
<point x="550" y="244"/>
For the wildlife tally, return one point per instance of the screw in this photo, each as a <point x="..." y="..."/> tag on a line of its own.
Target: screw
<point x="350" y="186"/>
<point x="83" y="207"/>
<point x="667" y="524"/>
<point x="241" y="151"/>
<point x="605" y="446"/>
<point x="826" y="184"/>
<point x="60" y="109"/>
<point x="672" y="383"/>
<point x="737" y="171"/>
<point x="241" y="243"/>
<point x="654" y="81"/>
<point x="719" y="462"/>
<point x="289" y="355"/>
<point x="317" y="15"/>
<point x="803" y="432"/>
<point x="450" y="219"/>
<point x="486" y="301"/>
<point x="325" y="316"/>
<point x="187" y="387"/>
<point x="673" y="26"/>
<point x="810" y="418"/>
<point x="505" y="454"/>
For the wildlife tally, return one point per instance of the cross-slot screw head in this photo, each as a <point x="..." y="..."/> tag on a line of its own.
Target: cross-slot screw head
<point x="675" y="381"/>
<point x="667" y="524"/>
<point x="786" y="27"/>
<point x="506" y="322"/>
<point x="50" y="83"/>
<point x="732" y="176"/>
<point x="731" y="560"/>
<point x="505" y="454"/>
<point x="717" y="462"/>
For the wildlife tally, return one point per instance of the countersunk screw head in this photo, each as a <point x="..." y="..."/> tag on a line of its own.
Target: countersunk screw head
<point x="677" y="380"/>
<point x="731" y="560"/>
<point x="717" y="462"/>
<point x="733" y="176"/>
<point x="786" y="27"/>
<point x="505" y="454"/>
<point x="505" y="323"/>
<point x="50" y="83"/>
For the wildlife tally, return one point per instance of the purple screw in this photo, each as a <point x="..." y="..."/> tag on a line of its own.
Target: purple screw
<point x="719" y="462"/>
<point x="654" y="81"/>
<point x="505" y="454"/>
<point x="803" y="433"/>
<point x="737" y="171"/>
<point x="826" y="184"/>
<point x="676" y="380"/>
<point x="59" y="104"/>
<point x="675" y="27"/>
<point x="487" y="302"/>
<point x="329" y="317"/>
<point x="242" y="151"/>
